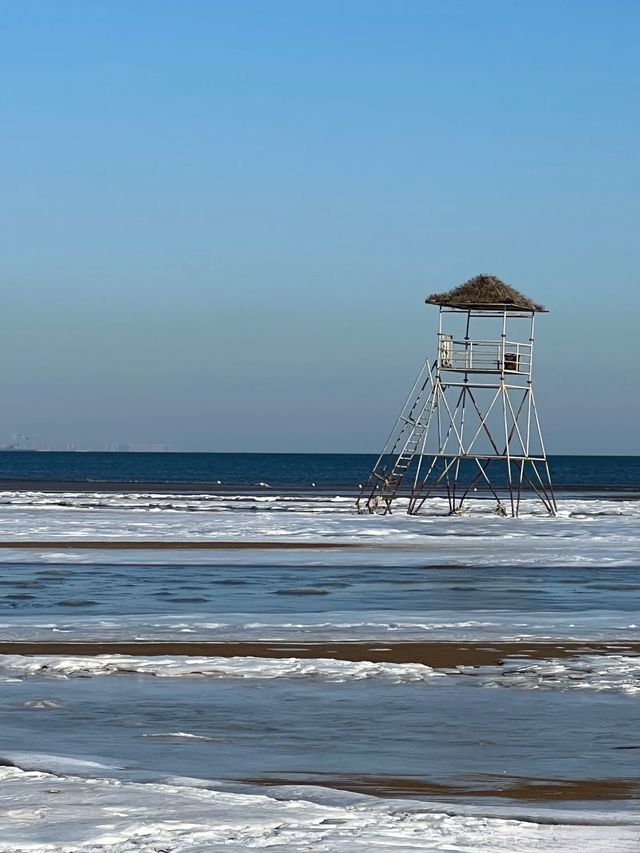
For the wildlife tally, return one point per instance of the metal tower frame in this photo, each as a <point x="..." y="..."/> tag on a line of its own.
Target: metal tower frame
<point x="470" y="423"/>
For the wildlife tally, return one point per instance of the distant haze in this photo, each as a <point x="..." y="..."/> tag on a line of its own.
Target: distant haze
<point x="220" y="220"/>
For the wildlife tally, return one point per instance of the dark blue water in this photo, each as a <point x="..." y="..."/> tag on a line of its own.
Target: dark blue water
<point x="277" y="469"/>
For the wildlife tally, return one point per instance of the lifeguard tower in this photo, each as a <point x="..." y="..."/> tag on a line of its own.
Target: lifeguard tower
<point x="470" y="426"/>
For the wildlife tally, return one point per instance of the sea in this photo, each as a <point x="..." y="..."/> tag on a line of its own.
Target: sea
<point x="341" y="471"/>
<point x="206" y="652"/>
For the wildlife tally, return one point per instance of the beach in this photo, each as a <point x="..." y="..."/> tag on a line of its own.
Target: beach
<point x="241" y="672"/>
<point x="319" y="467"/>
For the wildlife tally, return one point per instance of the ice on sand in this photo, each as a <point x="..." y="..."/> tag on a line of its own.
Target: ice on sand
<point x="43" y="813"/>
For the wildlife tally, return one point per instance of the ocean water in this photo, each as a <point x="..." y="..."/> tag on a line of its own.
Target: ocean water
<point x="261" y="669"/>
<point x="276" y="469"/>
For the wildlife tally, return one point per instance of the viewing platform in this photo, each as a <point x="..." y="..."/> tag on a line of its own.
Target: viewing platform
<point x="479" y="356"/>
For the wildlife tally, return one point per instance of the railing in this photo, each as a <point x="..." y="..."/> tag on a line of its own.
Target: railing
<point x="484" y="356"/>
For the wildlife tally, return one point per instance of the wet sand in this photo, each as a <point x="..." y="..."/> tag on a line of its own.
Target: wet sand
<point x="531" y="789"/>
<point x="434" y="654"/>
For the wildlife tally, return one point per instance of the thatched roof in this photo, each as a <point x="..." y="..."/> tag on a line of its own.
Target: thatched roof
<point x="485" y="292"/>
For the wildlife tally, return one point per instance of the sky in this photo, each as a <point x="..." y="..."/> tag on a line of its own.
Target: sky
<point x="219" y="219"/>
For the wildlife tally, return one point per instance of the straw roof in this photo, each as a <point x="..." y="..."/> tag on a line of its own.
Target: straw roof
<point x="485" y="292"/>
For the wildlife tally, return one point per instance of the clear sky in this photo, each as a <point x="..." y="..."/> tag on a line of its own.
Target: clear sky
<point x="220" y="218"/>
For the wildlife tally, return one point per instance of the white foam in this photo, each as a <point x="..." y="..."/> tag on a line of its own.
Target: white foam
<point x="53" y="763"/>
<point x="587" y="531"/>
<point x="599" y="673"/>
<point x="51" y="814"/>
<point x="179" y="736"/>
<point x="212" y="667"/>
<point x="328" y="626"/>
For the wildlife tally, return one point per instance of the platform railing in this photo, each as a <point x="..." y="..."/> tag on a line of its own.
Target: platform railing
<point x="468" y="356"/>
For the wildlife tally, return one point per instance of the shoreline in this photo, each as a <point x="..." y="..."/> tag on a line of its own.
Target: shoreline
<point x="612" y="491"/>
<point x="445" y="654"/>
<point x="531" y="789"/>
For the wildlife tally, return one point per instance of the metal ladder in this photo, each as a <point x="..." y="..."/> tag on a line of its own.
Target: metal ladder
<point x="403" y="444"/>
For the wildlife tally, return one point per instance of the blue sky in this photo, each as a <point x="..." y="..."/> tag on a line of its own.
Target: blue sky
<point x="220" y="220"/>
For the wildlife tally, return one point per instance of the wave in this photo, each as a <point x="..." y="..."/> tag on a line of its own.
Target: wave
<point x="180" y="737"/>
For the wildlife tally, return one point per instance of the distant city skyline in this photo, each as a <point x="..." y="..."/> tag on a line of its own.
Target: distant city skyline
<point x="220" y="221"/>
<point x="111" y="448"/>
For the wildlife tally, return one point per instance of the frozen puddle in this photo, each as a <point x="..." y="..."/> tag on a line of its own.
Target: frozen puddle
<point x="43" y="813"/>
